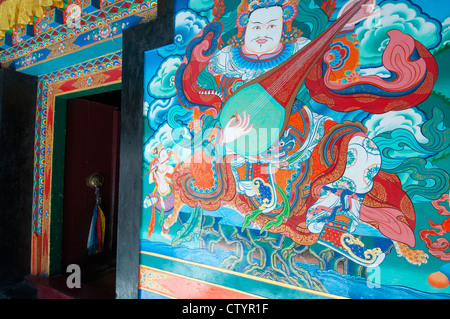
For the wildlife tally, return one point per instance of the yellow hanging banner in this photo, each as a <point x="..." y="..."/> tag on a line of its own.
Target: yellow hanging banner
<point x="21" y="12"/>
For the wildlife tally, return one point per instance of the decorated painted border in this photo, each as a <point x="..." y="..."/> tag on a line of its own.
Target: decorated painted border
<point x="239" y="284"/>
<point x="102" y="71"/>
<point x="176" y="286"/>
<point x="105" y="70"/>
<point x="91" y="28"/>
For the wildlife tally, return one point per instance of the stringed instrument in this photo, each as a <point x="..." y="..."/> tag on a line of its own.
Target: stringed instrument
<point x="268" y="99"/>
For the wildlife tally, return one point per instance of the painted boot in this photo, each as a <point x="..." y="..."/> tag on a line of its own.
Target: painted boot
<point x="335" y="236"/>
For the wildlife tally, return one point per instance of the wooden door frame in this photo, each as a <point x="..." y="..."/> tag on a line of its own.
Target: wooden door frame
<point x="136" y="41"/>
<point x="47" y="257"/>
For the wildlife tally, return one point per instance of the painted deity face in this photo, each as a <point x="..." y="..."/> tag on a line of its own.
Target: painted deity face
<point x="163" y="155"/>
<point x="263" y="32"/>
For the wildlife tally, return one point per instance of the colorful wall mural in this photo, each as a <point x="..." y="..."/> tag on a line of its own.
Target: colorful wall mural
<point x="298" y="149"/>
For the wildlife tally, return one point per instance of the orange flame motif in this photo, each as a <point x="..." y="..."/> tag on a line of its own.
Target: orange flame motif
<point x="438" y="247"/>
<point x="329" y="6"/>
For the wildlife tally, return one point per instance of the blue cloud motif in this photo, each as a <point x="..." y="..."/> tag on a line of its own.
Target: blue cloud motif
<point x="409" y="120"/>
<point x="446" y="32"/>
<point x="165" y="135"/>
<point x="157" y="112"/>
<point x="168" y="110"/>
<point x="200" y="5"/>
<point x="187" y="25"/>
<point x="162" y="85"/>
<point x="400" y="15"/>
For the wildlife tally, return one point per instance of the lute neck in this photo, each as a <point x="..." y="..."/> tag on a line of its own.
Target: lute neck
<point x="284" y="81"/>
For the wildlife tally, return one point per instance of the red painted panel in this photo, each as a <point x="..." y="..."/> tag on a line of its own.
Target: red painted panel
<point x="92" y="131"/>
<point x="181" y="287"/>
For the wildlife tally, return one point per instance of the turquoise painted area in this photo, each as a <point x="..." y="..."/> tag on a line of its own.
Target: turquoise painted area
<point x="397" y="271"/>
<point x="266" y="114"/>
<point x="381" y="283"/>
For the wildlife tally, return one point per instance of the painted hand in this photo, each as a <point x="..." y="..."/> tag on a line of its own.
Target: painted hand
<point x="367" y="10"/>
<point x="235" y="128"/>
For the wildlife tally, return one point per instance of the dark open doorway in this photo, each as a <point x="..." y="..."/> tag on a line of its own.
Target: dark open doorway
<point x="91" y="147"/>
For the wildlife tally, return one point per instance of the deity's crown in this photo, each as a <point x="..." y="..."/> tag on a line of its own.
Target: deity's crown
<point x="289" y="12"/>
<point x="246" y="7"/>
<point x="257" y="4"/>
